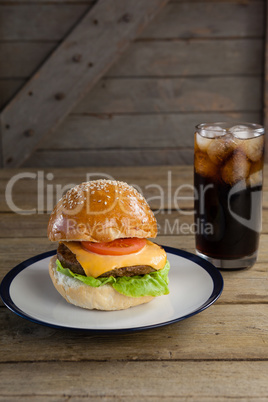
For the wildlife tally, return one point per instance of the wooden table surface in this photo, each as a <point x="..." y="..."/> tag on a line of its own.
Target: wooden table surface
<point x="218" y="355"/>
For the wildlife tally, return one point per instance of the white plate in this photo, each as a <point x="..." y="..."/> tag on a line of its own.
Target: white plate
<point x="194" y="285"/>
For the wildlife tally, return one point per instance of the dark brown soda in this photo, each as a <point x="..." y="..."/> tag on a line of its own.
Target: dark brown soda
<point x="228" y="238"/>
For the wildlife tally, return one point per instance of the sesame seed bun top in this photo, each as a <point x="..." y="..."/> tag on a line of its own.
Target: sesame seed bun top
<point x="101" y="211"/>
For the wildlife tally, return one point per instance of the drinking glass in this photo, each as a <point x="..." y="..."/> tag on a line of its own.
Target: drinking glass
<point x="228" y="177"/>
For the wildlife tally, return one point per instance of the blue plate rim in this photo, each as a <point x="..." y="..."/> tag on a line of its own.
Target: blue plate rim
<point x="213" y="272"/>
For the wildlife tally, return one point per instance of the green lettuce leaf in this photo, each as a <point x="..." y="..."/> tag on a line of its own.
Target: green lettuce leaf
<point x="153" y="284"/>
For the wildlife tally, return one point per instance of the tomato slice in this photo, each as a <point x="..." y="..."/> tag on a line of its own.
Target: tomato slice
<point x="115" y="247"/>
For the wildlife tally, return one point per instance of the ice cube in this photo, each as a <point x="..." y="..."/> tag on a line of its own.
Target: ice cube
<point x="220" y="148"/>
<point x="204" y="166"/>
<point x="255" y="174"/>
<point x="206" y="134"/>
<point x="202" y="142"/>
<point x="256" y="167"/>
<point x="255" y="179"/>
<point x="235" y="169"/>
<point x="212" y="131"/>
<point x="241" y="131"/>
<point x="253" y="148"/>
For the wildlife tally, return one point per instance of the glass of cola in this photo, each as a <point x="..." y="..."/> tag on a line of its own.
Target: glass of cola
<point x="228" y="177"/>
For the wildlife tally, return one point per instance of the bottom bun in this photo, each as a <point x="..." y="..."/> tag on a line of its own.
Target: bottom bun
<point x="102" y="298"/>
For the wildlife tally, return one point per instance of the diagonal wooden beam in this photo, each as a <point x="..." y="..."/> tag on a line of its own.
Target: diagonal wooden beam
<point x="71" y="71"/>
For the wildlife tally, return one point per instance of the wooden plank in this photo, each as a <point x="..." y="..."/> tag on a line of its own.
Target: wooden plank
<point x="21" y="59"/>
<point x="87" y="2"/>
<point x="128" y="174"/>
<point x="144" y="130"/>
<point x="38" y="398"/>
<point x="53" y="184"/>
<point x="153" y="131"/>
<point x="225" y="328"/>
<point x="128" y="379"/>
<point x="179" y="175"/>
<point x="152" y="58"/>
<point x="117" y="157"/>
<point x="164" y="176"/>
<point x="8" y="89"/>
<point x="67" y="158"/>
<point x="72" y="71"/>
<point x="219" y="19"/>
<point x="170" y="134"/>
<point x="44" y="21"/>
<point x="20" y="251"/>
<point x="191" y="57"/>
<point x="156" y="95"/>
<point x="180" y="20"/>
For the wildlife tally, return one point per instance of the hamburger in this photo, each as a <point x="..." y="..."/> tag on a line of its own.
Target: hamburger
<point x="104" y="259"/>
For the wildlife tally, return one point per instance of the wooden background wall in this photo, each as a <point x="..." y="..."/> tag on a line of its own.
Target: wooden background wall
<point x="197" y="61"/>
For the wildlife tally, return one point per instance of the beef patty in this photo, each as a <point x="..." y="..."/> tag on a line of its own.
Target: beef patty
<point x="68" y="260"/>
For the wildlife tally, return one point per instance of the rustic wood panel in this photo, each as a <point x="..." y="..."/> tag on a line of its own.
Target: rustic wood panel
<point x="130" y="157"/>
<point x="178" y="43"/>
<point x="179" y="173"/>
<point x="20" y="183"/>
<point x="170" y="134"/>
<point x="151" y="193"/>
<point x="39" y="21"/>
<point x="8" y="89"/>
<point x="213" y="19"/>
<point x="219" y="19"/>
<point x="147" y="58"/>
<point x="21" y="59"/>
<point x="54" y="186"/>
<point x="191" y="57"/>
<point x="128" y="379"/>
<point x="147" y="95"/>
<point x="39" y="398"/>
<point x="87" y="2"/>
<point x="121" y="131"/>
<point x="238" y="324"/>
<point x="84" y="158"/>
<point x="168" y="178"/>
<point x="21" y="250"/>
<point x="82" y="65"/>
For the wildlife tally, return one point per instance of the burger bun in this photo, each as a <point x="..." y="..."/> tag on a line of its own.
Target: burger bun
<point x="101" y="211"/>
<point x="102" y="298"/>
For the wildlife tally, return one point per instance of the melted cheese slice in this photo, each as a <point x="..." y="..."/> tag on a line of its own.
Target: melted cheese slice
<point x="97" y="264"/>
